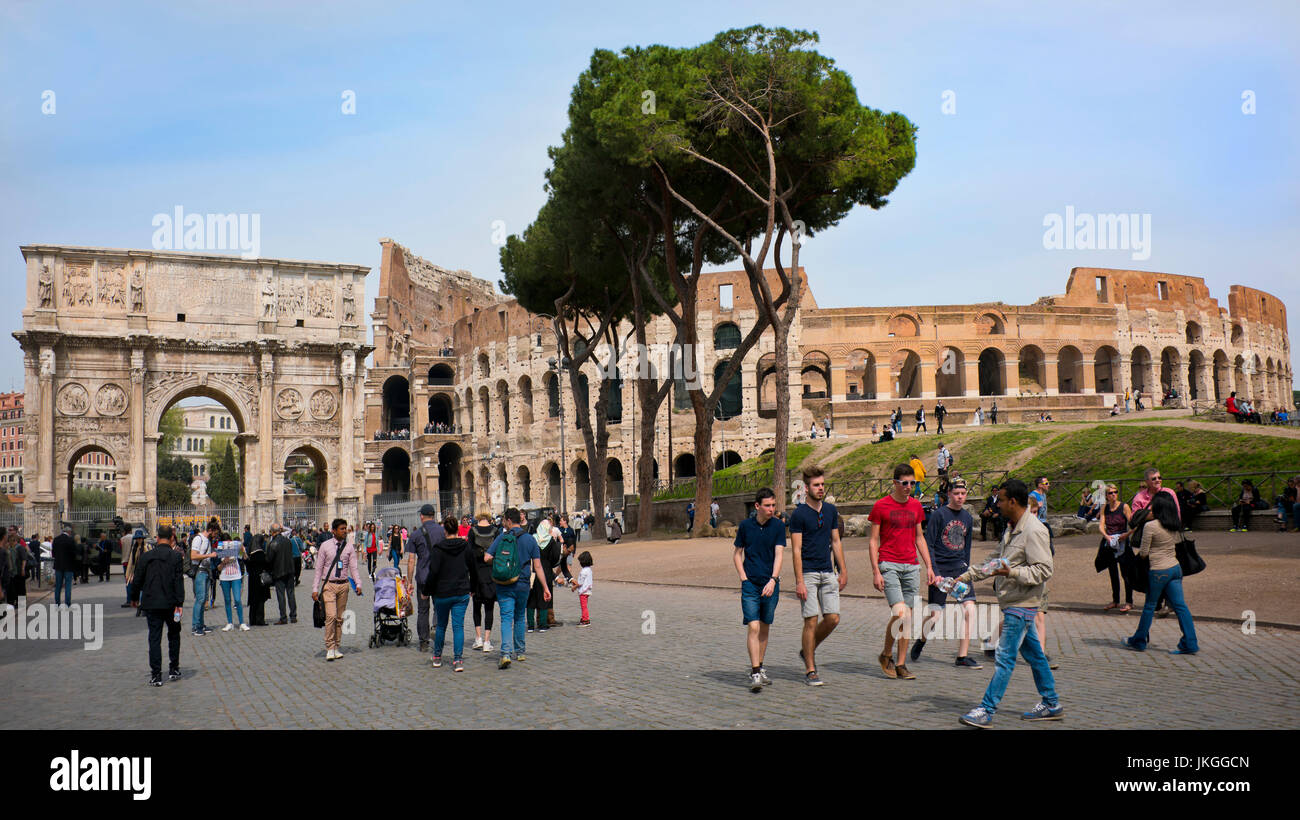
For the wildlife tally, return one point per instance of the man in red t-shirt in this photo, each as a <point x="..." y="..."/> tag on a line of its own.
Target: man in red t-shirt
<point x="897" y="541"/>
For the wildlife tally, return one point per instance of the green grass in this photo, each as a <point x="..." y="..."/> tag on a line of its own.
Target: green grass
<point x="795" y="453"/>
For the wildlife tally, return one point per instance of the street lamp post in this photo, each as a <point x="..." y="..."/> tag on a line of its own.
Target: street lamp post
<point x="558" y="367"/>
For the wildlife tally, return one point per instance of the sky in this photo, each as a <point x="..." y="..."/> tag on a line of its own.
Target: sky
<point x="1022" y="110"/>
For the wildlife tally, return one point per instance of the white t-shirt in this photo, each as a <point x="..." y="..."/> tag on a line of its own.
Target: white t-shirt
<point x="232" y="572"/>
<point x="584" y="581"/>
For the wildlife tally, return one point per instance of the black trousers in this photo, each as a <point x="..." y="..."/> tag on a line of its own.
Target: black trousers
<point x="158" y="618"/>
<point x="481" y="619"/>
<point x="297" y="569"/>
<point x="284" y="588"/>
<point x="938" y="428"/>
<point x="1241" y="515"/>
<point x="422" y="606"/>
<point x="371" y="558"/>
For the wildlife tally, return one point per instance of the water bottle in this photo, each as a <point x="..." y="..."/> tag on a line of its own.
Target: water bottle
<point x="943" y="584"/>
<point x="960" y="589"/>
<point x="176" y="615"/>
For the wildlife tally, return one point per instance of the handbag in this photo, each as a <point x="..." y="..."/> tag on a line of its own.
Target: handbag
<point x="318" y="606"/>
<point x="1189" y="560"/>
<point x="1141" y="568"/>
<point x="266" y="579"/>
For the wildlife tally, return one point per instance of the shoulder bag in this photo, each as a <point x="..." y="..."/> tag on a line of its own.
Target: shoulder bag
<point x="1189" y="560"/>
<point x="318" y="606"/>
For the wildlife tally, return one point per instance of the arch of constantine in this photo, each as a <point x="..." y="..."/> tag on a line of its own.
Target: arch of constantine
<point x="467" y="373"/>
<point x="112" y="338"/>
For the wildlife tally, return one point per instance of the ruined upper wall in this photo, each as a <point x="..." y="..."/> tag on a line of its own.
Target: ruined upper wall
<point x="1256" y="306"/>
<point x="1137" y="290"/>
<point x="424" y="300"/>
<point x="742" y="299"/>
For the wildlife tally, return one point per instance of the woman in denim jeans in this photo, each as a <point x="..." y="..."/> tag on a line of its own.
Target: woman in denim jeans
<point x="452" y="574"/>
<point x="1159" y="536"/>
<point x="232" y="585"/>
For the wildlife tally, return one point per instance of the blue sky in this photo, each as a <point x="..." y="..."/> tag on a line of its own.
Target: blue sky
<point x="235" y="107"/>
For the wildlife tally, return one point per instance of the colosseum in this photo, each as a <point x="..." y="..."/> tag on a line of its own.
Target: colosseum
<point x="471" y="375"/>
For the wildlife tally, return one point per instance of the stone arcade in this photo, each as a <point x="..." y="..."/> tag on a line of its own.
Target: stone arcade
<point x="112" y="338"/>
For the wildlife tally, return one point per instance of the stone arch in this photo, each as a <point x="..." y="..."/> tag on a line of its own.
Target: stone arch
<point x="1257" y="394"/>
<point x="240" y="400"/>
<point x="614" y="483"/>
<point x="1069" y="370"/>
<point x="1140" y="369"/>
<point x="731" y="402"/>
<point x="396" y="463"/>
<point x="765" y="379"/>
<point x="989" y="324"/>
<point x="468" y="423"/>
<point x="684" y="466"/>
<point x="905" y="366"/>
<point x="861" y="373"/>
<point x="1171" y="362"/>
<point x="1194" y="333"/>
<point x="523" y="481"/>
<point x="992" y="370"/>
<point x="315" y="451"/>
<point x="503" y="399"/>
<point x="506" y="500"/>
<point x="727" y="458"/>
<point x="554" y="485"/>
<point x="1237" y="335"/>
<point x="582" y="485"/>
<point x="1197" y="379"/>
<point x="440" y="409"/>
<point x="441" y="375"/>
<point x="525" y="386"/>
<point x="1239" y="384"/>
<point x="1222" y="376"/>
<point x="1032" y="373"/>
<point x="551" y="382"/>
<point x="469" y="492"/>
<point x="726" y="336"/>
<point x="116" y="447"/>
<point x="903" y="325"/>
<point x="950" y="373"/>
<point x="449" y="486"/>
<point x="396" y="414"/>
<point x="485" y="401"/>
<point x="1106" y="369"/>
<point x="815" y="374"/>
<point x="484" y="365"/>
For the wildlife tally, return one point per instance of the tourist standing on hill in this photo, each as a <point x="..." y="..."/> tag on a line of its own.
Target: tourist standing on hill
<point x="918" y="473"/>
<point x="939" y="412"/>
<point x="942" y="461"/>
<point x="993" y="413"/>
<point x="897" y="534"/>
<point x="757" y="557"/>
<point x="1019" y="587"/>
<point x="920" y="420"/>
<point x="815" y="541"/>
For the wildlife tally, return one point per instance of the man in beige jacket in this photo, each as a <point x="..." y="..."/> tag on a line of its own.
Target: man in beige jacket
<point x="1026" y="564"/>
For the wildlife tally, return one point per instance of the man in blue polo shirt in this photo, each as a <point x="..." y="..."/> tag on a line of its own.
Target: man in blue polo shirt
<point x="513" y="598"/>
<point x="758" y="561"/>
<point x="813" y="536"/>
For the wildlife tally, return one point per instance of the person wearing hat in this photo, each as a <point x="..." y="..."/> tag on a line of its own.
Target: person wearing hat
<point x="948" y="535"/>
<point x="65" y="565"/>
<point x="419" y="549"/>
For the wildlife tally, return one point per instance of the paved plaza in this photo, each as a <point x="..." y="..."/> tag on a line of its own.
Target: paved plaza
<point x="690" y="673"/>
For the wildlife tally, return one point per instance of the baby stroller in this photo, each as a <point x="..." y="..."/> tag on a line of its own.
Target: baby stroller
<point x="391" y="608"/>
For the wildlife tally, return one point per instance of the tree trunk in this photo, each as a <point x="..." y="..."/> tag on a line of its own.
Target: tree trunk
<point x="781" y="330"/>
<point x="589" y="438"/>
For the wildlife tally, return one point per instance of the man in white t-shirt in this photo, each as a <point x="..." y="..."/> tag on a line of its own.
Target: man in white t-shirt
<point x="713" y="513"/>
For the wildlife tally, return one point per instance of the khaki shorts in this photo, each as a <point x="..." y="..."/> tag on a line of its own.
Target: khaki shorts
<point x="902" y="582"/>
<point x="823" y="594"/>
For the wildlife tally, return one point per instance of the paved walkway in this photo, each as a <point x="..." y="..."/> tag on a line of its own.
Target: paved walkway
<point x="689" y="673"/>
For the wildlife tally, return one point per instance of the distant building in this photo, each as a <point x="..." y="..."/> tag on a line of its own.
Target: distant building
<point x="203" y="423"/>
<point x="11" y="446"/>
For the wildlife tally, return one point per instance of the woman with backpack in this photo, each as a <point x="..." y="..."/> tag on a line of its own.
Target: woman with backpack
<point x="484" y="593"/>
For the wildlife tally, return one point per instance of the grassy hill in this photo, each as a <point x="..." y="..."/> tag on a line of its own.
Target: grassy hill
<point x="1070" y="456"/>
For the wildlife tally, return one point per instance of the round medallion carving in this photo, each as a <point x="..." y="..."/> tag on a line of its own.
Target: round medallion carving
<point x="110" y="400"/>
<point x="288" y="404"/>
<point x="73" y="400"/>
<point x="323" y="405"/>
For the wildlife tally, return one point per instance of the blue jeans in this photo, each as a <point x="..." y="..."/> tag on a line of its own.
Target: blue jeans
<point x="1018" y="637"/>
<point x="513" y="601"/>
<point x="63" y="579"/>
<point x="1169" y="584"/>
<point x="455" y="607"/>
<point x="235" y="588"/>
<point x="200" y="599"/>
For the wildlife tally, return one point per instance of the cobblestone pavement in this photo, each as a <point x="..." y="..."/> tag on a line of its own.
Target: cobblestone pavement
<point x="690" y="673"/>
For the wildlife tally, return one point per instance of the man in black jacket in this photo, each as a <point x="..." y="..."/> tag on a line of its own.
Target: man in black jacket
<point x="65" y="565"/>
<point x="279" y="556"/>
<point x="159" y="582"/>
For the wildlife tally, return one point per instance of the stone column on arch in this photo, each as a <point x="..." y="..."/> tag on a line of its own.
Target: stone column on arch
<point x="928" y="388"/>
<point x="1121" y="376"/>
<point x="1089" y="369"/>
<point x="347" y="435"/>
<point x="839" y="383"/>
<point x="1011" y="377"/>
<point x="1180" y="377"/>
<point x="1052" y="376"/>
<point x="137" y="500"/>
<point x="266" y="497"/>
<point x="884" y="380"/>
<point x="972" y="366"/>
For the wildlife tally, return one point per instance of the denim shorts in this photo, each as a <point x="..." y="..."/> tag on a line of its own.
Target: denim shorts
<point x="902" y="582"/>
<point x="753" y="606"/>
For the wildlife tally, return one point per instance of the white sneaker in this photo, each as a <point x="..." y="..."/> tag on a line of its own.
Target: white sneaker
<point x="227" y="627"/>
<point x="478" y="643"/>
<point x="329" y="654"/>
<point x="487" y="646"/>
<point x="244" y="628"/>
